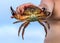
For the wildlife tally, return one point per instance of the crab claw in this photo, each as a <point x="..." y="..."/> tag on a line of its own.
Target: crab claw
<point x="13" y="12"/>
<point x="46" y="12"/>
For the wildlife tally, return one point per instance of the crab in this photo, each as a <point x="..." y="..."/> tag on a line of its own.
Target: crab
<point x="30" y="14"/>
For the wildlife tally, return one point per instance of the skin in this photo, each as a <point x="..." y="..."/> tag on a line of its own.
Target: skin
<point x="53" y="35"/>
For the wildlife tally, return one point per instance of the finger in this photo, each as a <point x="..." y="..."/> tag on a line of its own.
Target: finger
<point x="20" y="9"/>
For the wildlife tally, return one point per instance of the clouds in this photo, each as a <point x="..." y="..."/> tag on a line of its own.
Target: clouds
<point x="10" y="30"/>
<point x="7" y="31"/>
<point x="34" y="33"/>
<point x="10" y="33"/>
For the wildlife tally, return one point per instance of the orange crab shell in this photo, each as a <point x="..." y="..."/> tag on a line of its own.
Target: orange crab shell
<point x="28" y="12"/>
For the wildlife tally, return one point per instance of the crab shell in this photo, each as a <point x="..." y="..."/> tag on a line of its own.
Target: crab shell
<point x="31" y="13"/>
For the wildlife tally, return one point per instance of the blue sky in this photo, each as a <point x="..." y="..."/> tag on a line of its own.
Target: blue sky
<point x="34" y="33"/>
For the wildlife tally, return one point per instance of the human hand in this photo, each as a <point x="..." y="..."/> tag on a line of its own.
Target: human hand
<point x="20" y="9"/>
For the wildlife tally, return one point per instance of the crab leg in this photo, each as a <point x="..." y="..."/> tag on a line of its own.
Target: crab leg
<point x="16" y="22"/>
<point x="20" y="28"/>
<point x="44" y="26"/>
<point x="26" y="24"/>
<point x="47" y="24"/>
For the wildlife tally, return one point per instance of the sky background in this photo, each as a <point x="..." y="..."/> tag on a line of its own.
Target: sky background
<point x="34" y="33"/>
